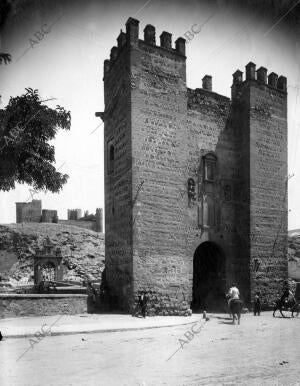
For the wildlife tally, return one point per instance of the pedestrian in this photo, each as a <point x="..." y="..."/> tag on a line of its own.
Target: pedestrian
<point x="91" y="291"/>
<point x="143" y="303"/>
<point x="1" y="337"/>
<point x="257" y="304"/>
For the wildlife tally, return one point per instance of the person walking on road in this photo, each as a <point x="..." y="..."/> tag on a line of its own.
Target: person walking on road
<point x="257" y="305"/>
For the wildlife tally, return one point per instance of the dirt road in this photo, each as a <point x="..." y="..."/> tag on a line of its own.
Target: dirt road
<point x="261" y="351"/>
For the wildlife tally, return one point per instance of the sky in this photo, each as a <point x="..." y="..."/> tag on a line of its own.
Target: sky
<point x="67" y="64"/>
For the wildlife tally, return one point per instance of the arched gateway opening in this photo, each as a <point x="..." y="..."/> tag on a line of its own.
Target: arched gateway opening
<point x="209" y="279"/>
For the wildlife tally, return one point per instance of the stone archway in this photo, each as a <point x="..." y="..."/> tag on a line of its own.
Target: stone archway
<point x="209" y="278"/>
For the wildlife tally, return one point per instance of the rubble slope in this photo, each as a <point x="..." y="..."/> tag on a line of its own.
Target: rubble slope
<point x="82" y="250"/>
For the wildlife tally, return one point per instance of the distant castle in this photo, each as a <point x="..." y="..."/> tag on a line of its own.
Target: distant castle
<point x="74" y="214"/>
<point x="32" y="212"/>
<point x="27" y="212"/>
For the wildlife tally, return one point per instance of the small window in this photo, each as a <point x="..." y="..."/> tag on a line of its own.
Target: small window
<point x="209" y="170"/>
<point x="210" y="167"/>
<point x="111" y="158"/>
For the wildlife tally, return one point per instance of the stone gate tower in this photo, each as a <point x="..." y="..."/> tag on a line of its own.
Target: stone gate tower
<point x="195" y="182"/>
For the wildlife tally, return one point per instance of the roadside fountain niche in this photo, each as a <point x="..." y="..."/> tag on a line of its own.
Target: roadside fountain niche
<point x="48" y="264"/>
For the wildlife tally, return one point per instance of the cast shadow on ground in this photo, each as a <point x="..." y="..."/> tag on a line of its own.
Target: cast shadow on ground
<point x="223" y="317"/>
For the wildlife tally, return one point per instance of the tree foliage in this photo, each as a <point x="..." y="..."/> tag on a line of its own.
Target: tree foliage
<point x="5" y="58"/>
<point x="26" y="156"/>
<point x="5" y="8"/>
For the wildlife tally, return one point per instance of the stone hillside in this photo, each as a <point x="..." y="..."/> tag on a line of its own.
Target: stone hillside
<point x="82" y="250"/>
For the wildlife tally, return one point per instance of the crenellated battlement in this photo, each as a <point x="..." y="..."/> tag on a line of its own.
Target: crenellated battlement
<point x="131" y="38"/>
<point x="260" y="76"/>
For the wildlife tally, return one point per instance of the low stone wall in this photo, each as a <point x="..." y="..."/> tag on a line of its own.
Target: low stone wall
<point x="16" y="305"/>
<point x="91" y="225"/>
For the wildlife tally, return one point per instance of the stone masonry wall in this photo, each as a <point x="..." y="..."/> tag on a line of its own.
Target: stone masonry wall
<point x="13" y="305"/>
<point x="118" y="164"/>
<point x="268" y="190"/>
<point x="211" y="129"/>
<point x="238" y="120"/>
<point x="260" y="112"/>
<point x="81" y="224"/>
<point x="158" y="105"/>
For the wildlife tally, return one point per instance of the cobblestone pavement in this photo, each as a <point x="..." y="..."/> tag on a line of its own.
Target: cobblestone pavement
<point x="261" y="351"/>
